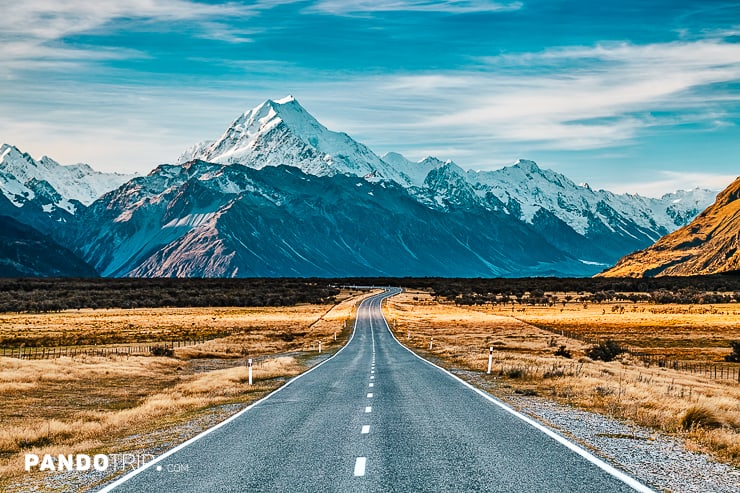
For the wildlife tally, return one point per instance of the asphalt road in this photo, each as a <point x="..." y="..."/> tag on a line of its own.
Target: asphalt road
<point x="375" y="417"/>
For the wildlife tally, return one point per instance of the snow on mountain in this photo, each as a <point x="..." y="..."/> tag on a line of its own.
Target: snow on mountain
<point x="708" y="245"/>
<point x="282" y="132"/>
<point x="597" y="225"/>
<point x="24" y="179"/>
<point x="416" y="171"/>
<point x="230" y="220"/>
<point x="579" y="205"/>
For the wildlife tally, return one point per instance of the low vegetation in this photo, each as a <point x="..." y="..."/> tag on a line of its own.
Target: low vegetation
<point x="50" y="295"/>
<point x="120" y="403"/>
<point x="528" y="359"/>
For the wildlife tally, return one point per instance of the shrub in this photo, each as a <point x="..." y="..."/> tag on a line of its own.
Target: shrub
<point x="606" y="351"/>
<point x="562" y="351"/>
<point x="734" y="356"/>
<point x="700" y="417"/>
<point x="162" y="351"/>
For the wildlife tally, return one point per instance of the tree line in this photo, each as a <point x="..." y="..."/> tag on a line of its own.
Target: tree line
<point x="49" y="295"/>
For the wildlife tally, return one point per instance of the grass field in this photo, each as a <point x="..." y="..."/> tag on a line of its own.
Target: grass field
<point x="684" y="332"/>
<point x="701" y="409"/>
<point x="91" y="404"/>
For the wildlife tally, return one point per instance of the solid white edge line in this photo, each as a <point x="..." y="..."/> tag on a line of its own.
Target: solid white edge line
<point x="136" y="472"/>
<point x="600" y="463"/>
<point x="360" y="463"/>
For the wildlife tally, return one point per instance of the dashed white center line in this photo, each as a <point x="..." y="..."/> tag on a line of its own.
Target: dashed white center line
<point x="372" y="371"/>
<point x="371" y="385"/>
<point x="372" y="377"/>
<point x="368" y="409"/>
<point x="365" y="429"/>
<point x="360" y="466"/>
<point x="370" y="395"/>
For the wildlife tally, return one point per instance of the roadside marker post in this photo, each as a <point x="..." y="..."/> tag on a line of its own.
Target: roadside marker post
<point x="249" y="364"/>
<point x="490" y="359"/>
<point x="319" y="346"/>
<point x="335" y="336"/>
<point x="431" y="342"/>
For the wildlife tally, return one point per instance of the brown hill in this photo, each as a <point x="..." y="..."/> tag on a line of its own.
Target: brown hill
<point x="708" y="245"/>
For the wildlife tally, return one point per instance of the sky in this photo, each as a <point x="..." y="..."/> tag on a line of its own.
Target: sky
<point x="630" y="96"/>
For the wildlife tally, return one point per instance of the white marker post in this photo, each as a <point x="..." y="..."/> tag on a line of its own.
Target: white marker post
<point x="490" y="360"/>
<point x="408" y="336"/>
<point x="431" y="342"/>
<point x="335" y="336"/>
<point x="249" y="364"/>
<point x="319" y="346"/>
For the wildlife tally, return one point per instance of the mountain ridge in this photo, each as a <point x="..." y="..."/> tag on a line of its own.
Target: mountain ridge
<point x="710" y="244"/>
<point x="240" y="206"/>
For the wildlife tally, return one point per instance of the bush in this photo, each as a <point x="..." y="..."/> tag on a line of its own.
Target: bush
<point x="734" y="356"/>
<point x="162" y="351"/>
<point x="700" y="417"/>
<point x="562" y="351"/>
<point x="606" y="351"/>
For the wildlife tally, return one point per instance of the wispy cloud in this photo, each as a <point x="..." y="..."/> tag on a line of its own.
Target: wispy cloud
<point x="670" y="180"/>
<point x="580" y="98"/>
<point x="342" y="7"/>
<point x="33" y="32"/>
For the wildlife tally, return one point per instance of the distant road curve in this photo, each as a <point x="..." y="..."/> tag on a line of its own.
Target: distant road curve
<point x="376" y="417"/>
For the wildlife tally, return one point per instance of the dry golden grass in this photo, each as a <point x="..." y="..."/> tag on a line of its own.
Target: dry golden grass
<point x="92" y="403"/>
<point x="524" y="363"/>
<point x="685" y="332"/>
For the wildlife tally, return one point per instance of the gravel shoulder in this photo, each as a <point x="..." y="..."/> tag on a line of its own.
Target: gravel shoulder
<point x="659" y="461"/>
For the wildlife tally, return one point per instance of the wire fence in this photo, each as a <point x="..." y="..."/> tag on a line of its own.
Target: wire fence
<point x="39" y="353"/>
<point x="717" y="371"/>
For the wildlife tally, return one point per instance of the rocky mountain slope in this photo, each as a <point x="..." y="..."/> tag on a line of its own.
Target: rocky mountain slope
<point x="596" y="226"/>
<point x="45" y="194"/>
<point x="278" y="194"/>
<point x="708" y="245"/>
<point x="229" y="220"/>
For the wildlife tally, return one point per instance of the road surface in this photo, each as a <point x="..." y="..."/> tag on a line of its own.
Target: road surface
<point x="376" y="417"/>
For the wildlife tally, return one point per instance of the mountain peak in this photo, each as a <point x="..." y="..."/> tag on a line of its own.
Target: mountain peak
<point x="287" y="99"/>
<point x="281" y="132"/>
<point x="527" y="165"/>
<point x="22" y="175"/>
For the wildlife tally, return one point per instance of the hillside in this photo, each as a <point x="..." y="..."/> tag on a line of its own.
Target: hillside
<point x="707" y="245"/>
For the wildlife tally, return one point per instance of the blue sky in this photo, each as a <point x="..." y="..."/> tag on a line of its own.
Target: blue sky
<point x="631" y="96"/>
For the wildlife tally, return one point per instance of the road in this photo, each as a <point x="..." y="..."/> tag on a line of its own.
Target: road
<point x="378" y="418"/>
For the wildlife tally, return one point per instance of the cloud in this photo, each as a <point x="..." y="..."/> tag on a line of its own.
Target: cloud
<point x="33" y="32"/>
<point x="671" y="180"/>
<point x="580" y="98"/>
<point x="345" y="7"/>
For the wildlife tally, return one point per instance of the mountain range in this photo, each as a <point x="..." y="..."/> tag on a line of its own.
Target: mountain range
<point x="278" y="194"/>
<point x="708" y="245"/>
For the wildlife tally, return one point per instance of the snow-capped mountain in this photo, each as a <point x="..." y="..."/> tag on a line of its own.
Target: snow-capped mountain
<point x="278" y="194"/>
<point x="596" y="226"/>
<point x="283" y="132"/>
<point x="558" y="208"/>
<point x="707" y="245"/>
<point x="229" y="220"/>
<point x="23" y="179"/>
<point x="46" y="195"/>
